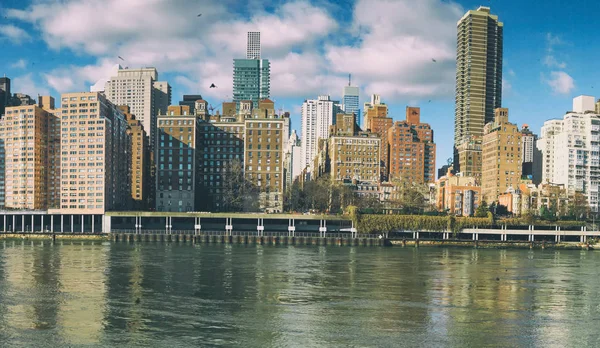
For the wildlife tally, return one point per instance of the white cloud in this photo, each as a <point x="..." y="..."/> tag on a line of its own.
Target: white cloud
<point x="391" y="48"/>
<point x="560" y="82"/>
<point x="19" y="64"/>
<point x="14" y="34"/>
<point x="26" y="84"/>
<point x="506" y="87"/>
<point x="550" y="59"/>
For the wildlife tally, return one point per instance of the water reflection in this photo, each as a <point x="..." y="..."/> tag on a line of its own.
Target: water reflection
<point x="148" y="294"/>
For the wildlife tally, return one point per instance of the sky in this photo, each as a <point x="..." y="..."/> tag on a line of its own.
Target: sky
<point x="550" y="55"/>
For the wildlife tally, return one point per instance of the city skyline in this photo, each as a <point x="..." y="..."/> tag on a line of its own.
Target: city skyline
<point x="538" y="79"/>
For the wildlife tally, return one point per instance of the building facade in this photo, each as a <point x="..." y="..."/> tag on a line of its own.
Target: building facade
<point x="571" y="150"/>
<point x="478" y="73"/>
<point x="411" y="149"/>
<point x="5" y="93"/>
<point x="458" y="195"/>
<point x="177" y="161"/>
<point x="26" y="135"/>
<point x="264" y="154"/>
<point x="469" y="157"/>
<point x="253" y="46"/>
<point x="317" y="116"/>
<point x="141" y="182"/>
<point x="95" y="159"/>
<point x="143" y="93"/>
<point x="501" y="156"/>
<point x="378" y="122"/>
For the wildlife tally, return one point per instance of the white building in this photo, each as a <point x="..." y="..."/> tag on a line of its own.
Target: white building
<point x="317" y="116"/>
<point x="571" y="150"/>
<point x="253" y="47"/>
<point x="293" y="155"/>
<point x="140" y="90"/>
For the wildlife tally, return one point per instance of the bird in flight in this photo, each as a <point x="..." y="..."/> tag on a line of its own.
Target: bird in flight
<point x="200" y="15"/>
<point x="433" y="60"/>
<point x="121" y="58"/>
<point x="213" y="86"/>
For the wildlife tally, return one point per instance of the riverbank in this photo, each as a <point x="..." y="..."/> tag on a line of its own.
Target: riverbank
<point x="44" y="236"/>
<point x="491" y="244"/>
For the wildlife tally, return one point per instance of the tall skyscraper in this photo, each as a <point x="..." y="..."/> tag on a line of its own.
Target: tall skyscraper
<point x="531" y="155"/>
<point x="478" y="74"/>
<point x="350" y="101"/>
<point x="501" y="157"/>
<point x="253" y="47"/>
<point x="317" y="116"/>
<point x="251" y="76"/>
<point x="570" y="150"/>
<point x="140" y="90"/>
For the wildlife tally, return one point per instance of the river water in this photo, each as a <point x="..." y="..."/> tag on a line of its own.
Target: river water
<point x="170" y="295"/>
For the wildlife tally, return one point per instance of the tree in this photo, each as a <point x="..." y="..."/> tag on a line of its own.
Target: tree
<point x="578" y="206"/>
<point x="502" y="210"/>
<point x="238" y="193"/>
<point x="482" y="210"/>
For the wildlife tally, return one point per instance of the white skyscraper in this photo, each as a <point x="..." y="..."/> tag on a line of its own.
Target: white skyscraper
<point x="140" y="90"/>
<point x="571" y="150"/>
<point x="253" y="48"/>
<point x="317" y="116"/>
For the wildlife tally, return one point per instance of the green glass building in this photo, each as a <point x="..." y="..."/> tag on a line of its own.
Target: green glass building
<point x="251" y="80"/>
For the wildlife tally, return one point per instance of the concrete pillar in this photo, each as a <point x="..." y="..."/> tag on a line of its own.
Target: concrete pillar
<point x="106" y="224"/>
<point x="14" y="223"/>
<point x="167" y="225"/>
<point x="4" y="223"/>
<point x="260" y="228"/>
<point x="42" y="224"/>
<point x="52" y="223"/>
<point x="291" y="227"/>
<point x="62" y="223"/>
<point x="32" y="222"/>
<point x="93" y="224"/>
<point x="417" y="235"/>
<point x="476" y="236"/>
<point x="229" y="226"/>
<point x="23" y="223"/>
<point x="197" y="225"/>
<point x="473" y="236"/>
<point x="82" y="223"/>
<point x="322" y="228"/>
<point x="72" y="224"/>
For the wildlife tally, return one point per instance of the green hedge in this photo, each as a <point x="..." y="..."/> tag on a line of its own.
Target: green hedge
<point x="373" y="223"/>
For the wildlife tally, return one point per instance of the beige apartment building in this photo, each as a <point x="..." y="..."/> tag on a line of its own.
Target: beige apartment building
<point x="28" y="139"/>
<point x="265" y="139"/>
<point x="501" y="156"/>
<point x="94" y="155"/>
<point x="141" y="184"/>
<point x="353" y="155"/>
<point x="378" y="122"/>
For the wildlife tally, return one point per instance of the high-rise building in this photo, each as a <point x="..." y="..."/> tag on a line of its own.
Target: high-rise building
<point x="251" y="76"/>
<point x="141" y="184"/>
<point x="411" y="149"/>
<point x="95" y="159"/>
<point x="570" y="150"/>
<point x="253" y="46"/>
<point x="264" y="154"/>
<point x="501" y="155"/>
<point x="478" y="74"/>
<point x="26" y="134"/>
<point x="532" y="157"/>
<point x="140" y="90"/>
<point x="190" y="100"/>
<point x="5" y="93"/>
<point x="378" y="122"/>
<point x="21" y="99"/>
<point x="293" y="158"/>
<point x="54" y="150"/>
<point x="317" y="116"/>
<point x="350" y="101"/>
<point x="177" y="161"/>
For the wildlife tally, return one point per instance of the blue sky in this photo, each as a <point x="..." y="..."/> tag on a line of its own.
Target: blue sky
<point x="549" y="52"/>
